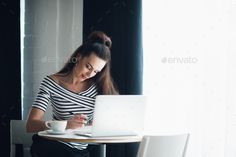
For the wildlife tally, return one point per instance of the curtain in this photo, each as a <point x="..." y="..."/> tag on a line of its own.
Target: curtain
<point x="10" y="70"/>
<point x="121" y="20"/>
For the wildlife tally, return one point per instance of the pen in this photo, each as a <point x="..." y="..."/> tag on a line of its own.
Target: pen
<point x="71" y="113"/>
<point x="85" y="117"/>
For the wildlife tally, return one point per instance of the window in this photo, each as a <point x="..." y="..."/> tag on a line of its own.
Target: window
<point x="189" y="76"/>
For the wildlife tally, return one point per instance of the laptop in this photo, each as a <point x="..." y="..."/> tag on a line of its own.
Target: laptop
<point x="116" y="115"/>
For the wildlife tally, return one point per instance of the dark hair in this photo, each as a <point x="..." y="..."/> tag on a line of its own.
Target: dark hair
<point x="99" y="44"/>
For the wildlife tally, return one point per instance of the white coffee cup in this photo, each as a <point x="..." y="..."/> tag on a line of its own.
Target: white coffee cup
<point x="56" y="125"/>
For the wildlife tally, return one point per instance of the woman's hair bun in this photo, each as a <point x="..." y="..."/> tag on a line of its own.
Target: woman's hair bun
<point x="100" y="37"/>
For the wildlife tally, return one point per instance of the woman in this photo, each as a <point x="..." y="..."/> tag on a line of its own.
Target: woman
<point x="72" y="90"/>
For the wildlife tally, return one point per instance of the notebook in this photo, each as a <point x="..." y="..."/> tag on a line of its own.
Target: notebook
<point x="116" y="115"/>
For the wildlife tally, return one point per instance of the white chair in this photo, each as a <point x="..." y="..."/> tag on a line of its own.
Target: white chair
<point x="18" y="135"/>
<point x="163" y="146"/>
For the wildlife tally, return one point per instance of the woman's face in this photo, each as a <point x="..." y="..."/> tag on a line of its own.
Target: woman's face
<point x="88" y="67"/>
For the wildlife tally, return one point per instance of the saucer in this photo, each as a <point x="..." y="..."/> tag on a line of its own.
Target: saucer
<point x="56" y="132"/>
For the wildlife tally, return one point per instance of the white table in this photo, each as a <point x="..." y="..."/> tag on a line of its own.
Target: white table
<point x="70" y="136"/>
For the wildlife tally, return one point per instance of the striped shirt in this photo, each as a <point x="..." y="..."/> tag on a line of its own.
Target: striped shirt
<point x="64" y="102"/>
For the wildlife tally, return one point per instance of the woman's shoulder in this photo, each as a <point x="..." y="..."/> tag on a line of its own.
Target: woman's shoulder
<point x="54" y="77"/>
<point x="50" y="79"/>
<point x="58" y="79"/>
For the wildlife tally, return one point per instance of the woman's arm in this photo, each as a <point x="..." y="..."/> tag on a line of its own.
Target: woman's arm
<point x="35" y="121"/>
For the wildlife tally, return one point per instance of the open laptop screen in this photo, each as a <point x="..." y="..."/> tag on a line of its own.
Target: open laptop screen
<point x="116" y="115"/>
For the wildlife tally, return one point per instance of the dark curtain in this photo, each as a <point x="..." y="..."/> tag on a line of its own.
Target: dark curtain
<point x="122" y="21"/>
<point x="10" y="70"/>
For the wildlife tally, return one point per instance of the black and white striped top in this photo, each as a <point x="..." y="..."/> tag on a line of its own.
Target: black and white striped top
<point x="64" y="102"/>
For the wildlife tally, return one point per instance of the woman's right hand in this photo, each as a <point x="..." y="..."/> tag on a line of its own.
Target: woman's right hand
<point x="77" y="121"/>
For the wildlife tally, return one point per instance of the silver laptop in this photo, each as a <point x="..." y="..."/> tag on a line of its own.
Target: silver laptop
<point x="117" y="115"/>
